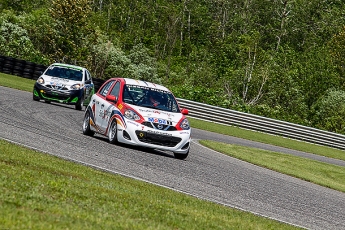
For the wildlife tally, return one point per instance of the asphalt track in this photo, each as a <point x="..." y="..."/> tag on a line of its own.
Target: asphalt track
<point x="206" y="174"/>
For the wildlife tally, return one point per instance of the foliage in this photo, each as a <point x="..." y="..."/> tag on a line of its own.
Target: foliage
<point x="14" y="39"/>
<point x="108" y="61"/>
<point x="337" y="46"/>
<point x="74" y="33"/>
<point x="22" y="5"/>
<point x="272" y="58"/>
<point x="330" y="111"/>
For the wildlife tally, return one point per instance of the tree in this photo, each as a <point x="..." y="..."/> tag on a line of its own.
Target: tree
<point x="330" y="111"/>
<point x="337" y="47"/>
<point x="75" y="33"/>
<point x="14" y="39"/>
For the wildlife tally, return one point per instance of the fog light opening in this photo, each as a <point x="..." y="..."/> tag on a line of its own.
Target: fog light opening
<point x="126" y="135"/>
<point x="186" y="146"/>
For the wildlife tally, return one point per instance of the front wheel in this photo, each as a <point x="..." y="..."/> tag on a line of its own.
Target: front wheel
<point x="86" y="125"/>
<point x="112" y="135"/>
<point x="35" y="98"/>
<point x="181" y="156"/>
<point x="79" y="105"/>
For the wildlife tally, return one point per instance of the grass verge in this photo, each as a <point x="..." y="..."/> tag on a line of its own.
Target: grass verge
<point x="324" y="174"/>
<point x="39" y="191"/>
<point x="16" y="82"/>
<point x="268" y="139"/>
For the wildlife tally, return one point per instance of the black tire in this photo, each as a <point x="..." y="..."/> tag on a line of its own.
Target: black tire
<point x="7" y="70"/>
<point x="28" y="70"/>
<point x="35" y="98"/>
<point x="17" y="73"/>
<point x="27" y="75"/>
<point x="80" y="104"/>
<point x="86" y="125"/>
<point x="181" y="156"/>
<point x="112" y="134"/>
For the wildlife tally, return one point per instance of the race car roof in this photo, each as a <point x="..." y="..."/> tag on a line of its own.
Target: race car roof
<point x="145" y="83"/>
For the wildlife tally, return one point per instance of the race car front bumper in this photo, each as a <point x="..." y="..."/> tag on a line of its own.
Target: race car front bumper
<point x="135" y="134"/>
<point x="61" y="96"/>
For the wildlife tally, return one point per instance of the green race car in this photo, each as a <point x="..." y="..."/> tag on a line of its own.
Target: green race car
<point x="64" y="83"/>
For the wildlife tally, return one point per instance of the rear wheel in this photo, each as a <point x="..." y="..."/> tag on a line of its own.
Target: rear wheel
<point x="181" y="156"/>
<point x="112" y="134"/>
<point x="86" y="125"/>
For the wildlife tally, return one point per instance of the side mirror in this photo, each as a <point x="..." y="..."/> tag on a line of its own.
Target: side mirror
<point x="87" y="82"/>
<point x="111" y="98"/>
<point x="184" y="111"/>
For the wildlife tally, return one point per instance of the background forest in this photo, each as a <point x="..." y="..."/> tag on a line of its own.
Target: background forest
<point x="282" y="59"/>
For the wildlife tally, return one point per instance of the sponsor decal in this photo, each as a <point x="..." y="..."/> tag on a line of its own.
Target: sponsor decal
<point x="120" y="106"/>
<point x="157" y="120"/>
<point x="158" y="132"/>
<point x="133" y="123"/>
<point x="184" y="132"/>
<point x="156" y="111"/>
<point x="146" y="110"/>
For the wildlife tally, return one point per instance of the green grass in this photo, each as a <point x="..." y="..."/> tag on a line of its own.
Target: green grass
<point x="16" y="82"/>
<point x="39" y="191"/>
<point x="324" y="174"/>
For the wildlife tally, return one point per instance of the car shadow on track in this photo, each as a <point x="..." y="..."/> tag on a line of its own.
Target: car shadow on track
<point x="72" y="107"/>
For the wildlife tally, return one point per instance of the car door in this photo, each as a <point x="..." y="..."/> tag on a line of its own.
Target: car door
<point x="100" y="101"/>
<point x="89" y="87"/>
<point x="109" y="106"/>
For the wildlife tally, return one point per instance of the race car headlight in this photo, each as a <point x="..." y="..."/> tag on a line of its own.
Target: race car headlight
<point x="75" y="86"/>
<point x="130" y="114"/>
<point x="40" y="80"/>
<point x="185" y="124"/>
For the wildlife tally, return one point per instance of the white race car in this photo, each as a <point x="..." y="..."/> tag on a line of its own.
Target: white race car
<point x="138" y="113"/>
<point x="64" y="83"/>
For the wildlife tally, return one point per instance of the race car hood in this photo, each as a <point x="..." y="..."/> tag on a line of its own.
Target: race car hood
<point x="159" y="116"/>
<point x="59" y="83"/>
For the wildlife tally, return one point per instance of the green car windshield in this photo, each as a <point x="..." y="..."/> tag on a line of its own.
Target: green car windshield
<point x="65" y="73"/>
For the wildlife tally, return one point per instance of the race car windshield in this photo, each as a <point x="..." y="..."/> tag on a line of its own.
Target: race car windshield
<point x="150" y="98"/>
<point x="65" y="73"/>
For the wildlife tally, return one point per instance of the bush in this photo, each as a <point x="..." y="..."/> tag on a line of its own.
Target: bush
<point x="329" y="112"/>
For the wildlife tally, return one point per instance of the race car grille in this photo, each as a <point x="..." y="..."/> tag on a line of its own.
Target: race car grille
<point x="157" y="139"/>
<point x="159" y="126"/>
<point x="56" y="87"/>
<point x="56" y="95"/>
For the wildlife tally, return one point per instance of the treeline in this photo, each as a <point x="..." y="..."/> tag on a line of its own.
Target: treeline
<point x="282" y="59"/>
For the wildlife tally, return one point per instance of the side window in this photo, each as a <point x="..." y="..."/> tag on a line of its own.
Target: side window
<point x="106" y="88"/>
<point x="88" y="75"/>
<point x="116" y="90"/>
